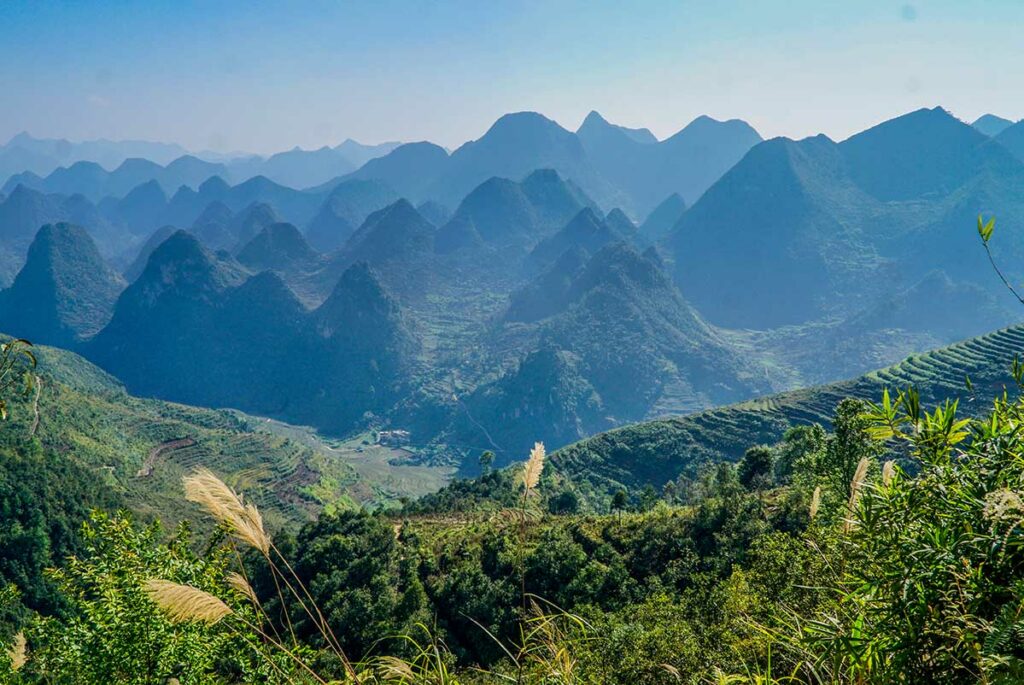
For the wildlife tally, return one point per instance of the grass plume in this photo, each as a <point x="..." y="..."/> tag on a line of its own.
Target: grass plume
<point x="243" y="521"/>
<point x="18" y="652"/>
<point x="856" y="483"/>
<point x="183" y="603"/>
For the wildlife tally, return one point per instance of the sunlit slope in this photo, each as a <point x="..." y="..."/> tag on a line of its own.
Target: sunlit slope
<point x="657" y="451"/>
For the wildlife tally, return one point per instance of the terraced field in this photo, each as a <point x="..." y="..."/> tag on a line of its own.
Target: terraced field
<point x="143" y="447"/>
<point x="657" y="451"/>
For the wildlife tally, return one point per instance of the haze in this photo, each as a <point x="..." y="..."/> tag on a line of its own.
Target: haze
<point x="233" y="76"/>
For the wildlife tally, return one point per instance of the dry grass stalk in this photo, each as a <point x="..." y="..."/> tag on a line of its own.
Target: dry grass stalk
<point x="534" y="466"/>
<point x="238" y="583"/>
<point x="815" y="502"/>
<point x="859" y="475"/>
<point x="183" y="603"/>
<point x="243" y="521"/>
<point x="18" y="653"/>
<point x="888" y="472"/>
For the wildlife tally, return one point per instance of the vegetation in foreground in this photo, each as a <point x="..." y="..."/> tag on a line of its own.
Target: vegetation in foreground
<point x="887" y="551"/>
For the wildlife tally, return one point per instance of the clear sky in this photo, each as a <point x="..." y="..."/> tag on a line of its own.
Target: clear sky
<point x="265" y="76"/>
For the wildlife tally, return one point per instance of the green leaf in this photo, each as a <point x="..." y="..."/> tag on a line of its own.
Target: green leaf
<point x="985" y="228"/>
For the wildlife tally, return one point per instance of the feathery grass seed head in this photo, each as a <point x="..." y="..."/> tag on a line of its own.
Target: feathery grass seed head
<point x="183" y="603"/>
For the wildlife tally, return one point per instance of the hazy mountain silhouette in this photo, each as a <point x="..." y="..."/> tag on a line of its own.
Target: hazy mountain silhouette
<point x="991" y="125"/>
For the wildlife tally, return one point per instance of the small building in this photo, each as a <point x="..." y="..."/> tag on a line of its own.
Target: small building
<point x="394" y="438"/>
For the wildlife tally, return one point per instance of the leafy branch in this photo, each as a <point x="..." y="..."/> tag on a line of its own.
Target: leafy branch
<point x="985" y="229"/>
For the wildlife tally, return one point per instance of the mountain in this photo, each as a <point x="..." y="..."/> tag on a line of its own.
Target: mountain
<point x="922" y="153"/>
<point x="617" y="220"/>
<point x="162" y="338"/>
<point x="278" y="247"/>
<point x="367" y="337"/>
<point x="397" y="233"/>
<point x="616" y="337"/>
<point x="344" y="210"/>
<point x="810" y="229"/>
<point x="686" y="163"/>
<point x="297" y="168"/>
<point x="991" y="125"/>
<point x="154" y="240"/>
<point x="662" y="219"/>
<point x="248" y="223"/>
<point x="43" y="155"/>
<point x="65" y="293"/>
<point x="94" y="182"/>
<point x="1012" y="138"/>
<point x="141" y="208"/>
<point x="359" y="154"/>
<point x="586" y="231"/>
<point x="504" y="213"/>
<point x="194" y="327"/>
<point x="656" y="451"/>
<point x="24" y="211"/>
<point x="409" y="170"/>
<point x="515" y="145"/>
<point x="212" y="227"/>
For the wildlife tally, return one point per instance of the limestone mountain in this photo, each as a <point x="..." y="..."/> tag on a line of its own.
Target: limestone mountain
<point x="662" y="219"/>
<point x="345" y="210"/>
<point x="586" y="231"/>
<point x="515" y="145"/>
<point x="65" y="293"/>
<point x="154" y="240"/>
<point x="278" y="247"/>
<point x="686" y="163"/>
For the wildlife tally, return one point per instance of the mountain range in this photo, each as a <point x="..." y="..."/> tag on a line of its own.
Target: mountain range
<point x="526" y="307"/>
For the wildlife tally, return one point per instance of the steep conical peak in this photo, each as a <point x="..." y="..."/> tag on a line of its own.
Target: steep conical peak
<point x="358" y="302"/>
<point x="597" y="125"/>
<point x="215" y="186"/>
<point x="277" y="246"/>
<point x="64" y="293"/>
<point x="183" y="264"/>
<point x="618" y="221"/>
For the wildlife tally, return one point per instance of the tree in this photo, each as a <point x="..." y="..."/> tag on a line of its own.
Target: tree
<point x="619" y="501"/>
<point x="755" y="468"/>
<point x="16" y="363"/>
<point x="648" y="498"/>
<point x="486" y="461"/>
<point x="800" y="444"/>
<point x="566" y="502"/>
<point x="849" y="443"/>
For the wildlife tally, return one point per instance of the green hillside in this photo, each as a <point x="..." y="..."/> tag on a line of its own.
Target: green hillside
<point x="657" y="451"/>
<point x="142" y="447"/>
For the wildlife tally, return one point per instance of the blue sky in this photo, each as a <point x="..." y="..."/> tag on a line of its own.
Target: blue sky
<point x="265" y="76"/>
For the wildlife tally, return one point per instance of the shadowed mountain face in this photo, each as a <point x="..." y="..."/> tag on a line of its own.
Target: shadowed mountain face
<point x="64" y="294"/>
<point x="195" y="327"/>
<point x="616" y="343"/>
<point x="801" y="230"/>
